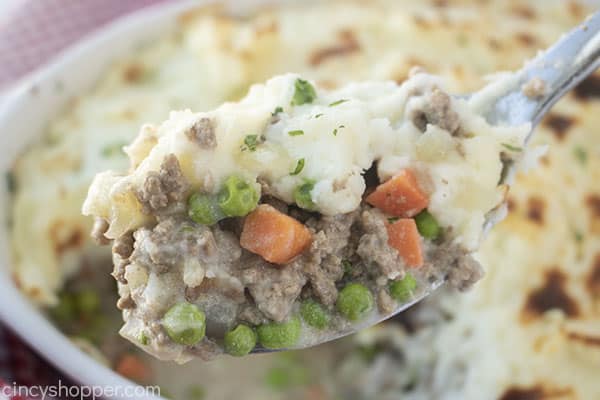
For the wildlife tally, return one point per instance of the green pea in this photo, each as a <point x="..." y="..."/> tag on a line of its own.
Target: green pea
<point x="354" y="301"/>
<point x="87" y="301"/>
<point x="304" y="93"/>
<point x="401" y="290"/>
<point x="314" y="314"/>
<point x="66" y="309"/>
<point x="185" y="323"/>
<point x="195" y="392"/>
<point x="302" y="195"/>
<point x="203" y="209"/>
<point x="427" y="225"/>
<point x="240" y="341"/>
<point x="237" y="198"/>
<point x="279" y="335"/>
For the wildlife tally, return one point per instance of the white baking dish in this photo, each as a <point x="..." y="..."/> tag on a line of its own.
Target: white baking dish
<point x="23" y="117"/>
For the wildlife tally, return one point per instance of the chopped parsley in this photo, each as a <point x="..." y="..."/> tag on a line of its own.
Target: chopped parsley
<point x="11" y="182"/>
<point x="578" y="236"/>
<point x="338" y="102"/>
<point x="299" y="167"/>
<point x="318" y="115"/>
<point x="277" y="111"/>
<point x="114" y="149"/>
<point x="581" y="155"/>
<point x="144" y="339"/>
<point x="296" y="132"/>
<point x="511" y="147"/>
<point x="335" y="131"/>
<point x="304" y="93"/>
<point x="250" y="142"/>
<point x="393" y="219"/>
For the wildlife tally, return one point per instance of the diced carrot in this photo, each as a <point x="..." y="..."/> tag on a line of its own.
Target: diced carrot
<point x="133" y="367"/>
<point x="403" y="235"/>
<point x="277" y="237"/>
<point x="399" y="196"/>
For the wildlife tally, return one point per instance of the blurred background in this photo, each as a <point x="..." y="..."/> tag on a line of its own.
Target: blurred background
<point x="529" y="331"/>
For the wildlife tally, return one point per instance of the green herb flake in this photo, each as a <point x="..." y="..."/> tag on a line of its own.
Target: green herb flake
<point x="511" y="147"/>
<point x="144" y="339"/>
<point x="304" y="93"/>
<point x="11" y="182"/>
<point x="319" y="115"/>
<point x="114" y="149"/>
<point x="298" y="132"/>
<point x="335" y="131"/>
<point x="338" y="102"/>
<point x="250" y="142"/>
<point x="299" y="167"/>
<point x="581" y="155"/>
<point x="391" y="220"/>
<point x="578" y="236"/>
<point x="277" y="111"/>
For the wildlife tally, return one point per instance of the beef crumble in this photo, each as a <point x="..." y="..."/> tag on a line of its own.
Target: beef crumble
<point x="162" y="188"/>
<point x="437" y="110"/>
<point x="202" y="132"/>
<point x="98" y="230"/>
<point x="206" y="266"/>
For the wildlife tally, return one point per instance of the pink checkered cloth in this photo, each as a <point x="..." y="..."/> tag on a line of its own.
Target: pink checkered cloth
<point x="37" y="30"/>
<point x="31" y="34"/>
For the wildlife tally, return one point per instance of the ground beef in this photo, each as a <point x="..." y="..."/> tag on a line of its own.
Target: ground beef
<point x="277" y="204"/>
<point x="252" y="315"/>
<point x="207" y="267"/>
<point x="437" y="110"/>
<point x="125" y="303"/>
<point x="174" y="240"/>
<point x="162" y="189"/>
<point x="121" y="249"/>
<point x="373" y="246"/>
<point x="98" y="230"/>
<point x="206" y="350"/>
<point x="123" y="245"/>
<point x="203" y="133"/>
<point x="273" y="288"/>
<point x="322" y="264"/>
<point x="455" y="264"/>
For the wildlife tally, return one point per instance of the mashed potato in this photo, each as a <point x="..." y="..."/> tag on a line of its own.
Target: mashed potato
<point x="337" y="137"/>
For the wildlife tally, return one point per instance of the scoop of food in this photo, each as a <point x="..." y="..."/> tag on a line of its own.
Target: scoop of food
<point x="297" y="213"/>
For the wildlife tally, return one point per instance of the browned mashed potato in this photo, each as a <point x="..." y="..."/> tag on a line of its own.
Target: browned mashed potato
<point x="529" y="331"/>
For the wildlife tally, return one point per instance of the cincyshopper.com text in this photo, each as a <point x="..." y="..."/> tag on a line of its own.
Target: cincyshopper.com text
<point x="83" y="392"/>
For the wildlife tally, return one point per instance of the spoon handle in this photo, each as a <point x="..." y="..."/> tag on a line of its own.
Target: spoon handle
<point x="560" y="68"/>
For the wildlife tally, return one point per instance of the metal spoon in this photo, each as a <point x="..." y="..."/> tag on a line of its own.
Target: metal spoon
<point x="503" y="102"/>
